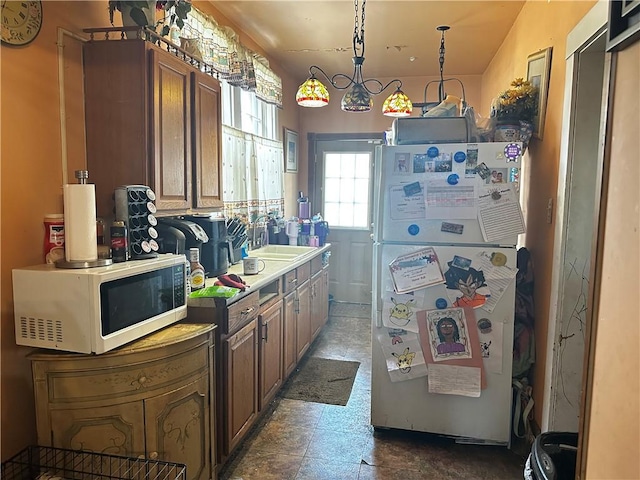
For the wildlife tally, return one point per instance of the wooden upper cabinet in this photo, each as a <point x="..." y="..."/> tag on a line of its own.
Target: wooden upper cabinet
<point x="151" y="119"/>
<point x="207" y="134"/>
<point x="171" y="131"/>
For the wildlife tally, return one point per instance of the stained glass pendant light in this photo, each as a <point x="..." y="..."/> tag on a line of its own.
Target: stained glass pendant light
<point x="312" y="93"/>
<point x="397" y="105"/>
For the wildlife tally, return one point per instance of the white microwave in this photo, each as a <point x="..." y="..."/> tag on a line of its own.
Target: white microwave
<point x="94" y="310"/>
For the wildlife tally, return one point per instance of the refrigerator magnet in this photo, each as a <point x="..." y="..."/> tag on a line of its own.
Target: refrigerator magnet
<point x="412" y="189"/>
<point x="452" y="228"/>
<point x="483" y="171"/>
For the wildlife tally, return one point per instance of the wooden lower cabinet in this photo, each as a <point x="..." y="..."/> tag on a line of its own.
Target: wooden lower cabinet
<point x="317" y="308"/>
<point x="152" y="398"/>
<point x="270" y="350"/>
<point x="324" y="295"/>
<point x="303" y="325"/>
<point x="290" y="354"/>
<point x="240" y="366"/>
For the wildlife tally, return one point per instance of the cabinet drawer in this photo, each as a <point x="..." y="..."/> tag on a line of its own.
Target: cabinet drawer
<point x="316" y="264"/>
<point x="303" y="273"/>
<point x="290" y="281"/>
<point x="242" y="311"/>
<point x="98" y="384"/>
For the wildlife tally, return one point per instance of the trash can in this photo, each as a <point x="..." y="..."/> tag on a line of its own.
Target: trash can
<point x="552" y="457"/>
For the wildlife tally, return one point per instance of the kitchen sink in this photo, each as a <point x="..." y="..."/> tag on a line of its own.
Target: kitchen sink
<point x="283" y="249"/>
<point x="281" y="252"/>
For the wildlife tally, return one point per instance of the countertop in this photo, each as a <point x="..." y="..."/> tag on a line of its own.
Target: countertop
<point x="272" y="271"/>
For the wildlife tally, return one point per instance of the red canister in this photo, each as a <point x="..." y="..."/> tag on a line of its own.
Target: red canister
<point x="53" y="248"/>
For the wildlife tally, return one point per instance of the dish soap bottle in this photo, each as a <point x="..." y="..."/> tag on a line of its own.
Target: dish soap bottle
<point x="197" y="270"/>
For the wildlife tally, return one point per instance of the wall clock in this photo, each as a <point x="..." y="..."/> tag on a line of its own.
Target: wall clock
<point x="21" y="21"/>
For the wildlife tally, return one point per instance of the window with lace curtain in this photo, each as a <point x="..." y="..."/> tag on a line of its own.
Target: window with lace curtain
<point x="252" y="154"/>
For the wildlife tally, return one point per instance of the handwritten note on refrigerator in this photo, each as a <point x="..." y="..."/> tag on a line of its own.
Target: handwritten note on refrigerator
<point x="454" y="380"/>
<point x="499" y="212"/>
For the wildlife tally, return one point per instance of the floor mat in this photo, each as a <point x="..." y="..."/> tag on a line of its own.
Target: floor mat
<point x="322" y="380"/>
<point x="357" y="310"/>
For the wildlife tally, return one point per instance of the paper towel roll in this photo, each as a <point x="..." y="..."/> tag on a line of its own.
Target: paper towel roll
<point x="80" y="223"/>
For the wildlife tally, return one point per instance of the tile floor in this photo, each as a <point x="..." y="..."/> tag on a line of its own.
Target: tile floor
<point x="299" y="440"/>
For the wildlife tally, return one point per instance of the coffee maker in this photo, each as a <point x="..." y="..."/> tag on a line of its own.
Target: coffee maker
<point x="178" y="235"/>
<point x="215" y="252"/>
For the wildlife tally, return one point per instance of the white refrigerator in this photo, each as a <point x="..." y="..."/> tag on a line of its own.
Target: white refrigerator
<point x="457" y="201"/>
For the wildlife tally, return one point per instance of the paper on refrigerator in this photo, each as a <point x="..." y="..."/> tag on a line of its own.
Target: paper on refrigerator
<point x="415" y="270"/>
<point x="398" y="309"/>
<point x="450" y="202"/>
<point x="402" y="353"/>
<point x="454" y="380"/>
<point x="406" y="201"/>
<point x="499" y="212"/>
<point x="498" y="276"/>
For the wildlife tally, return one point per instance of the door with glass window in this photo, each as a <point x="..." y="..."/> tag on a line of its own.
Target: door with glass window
<point x="343" y="179"/>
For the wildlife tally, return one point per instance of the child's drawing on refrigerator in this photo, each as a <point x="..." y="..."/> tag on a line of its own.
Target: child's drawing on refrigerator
<point x="405" y="359"/>
<point x="399" y="310"/>
<point x="466" y="286"/>
<point x="448" y="337"/>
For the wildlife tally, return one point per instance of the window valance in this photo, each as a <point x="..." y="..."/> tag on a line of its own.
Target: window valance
<point x="220" y="47"/>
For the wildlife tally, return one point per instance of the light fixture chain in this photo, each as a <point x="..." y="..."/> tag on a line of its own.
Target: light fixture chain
<point x="362" y="25"/>
<point x="358" y="36"/>
<point x="441" y="89"/>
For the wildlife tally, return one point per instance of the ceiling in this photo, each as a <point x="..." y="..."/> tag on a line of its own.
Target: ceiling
<point x="297" y="34"/>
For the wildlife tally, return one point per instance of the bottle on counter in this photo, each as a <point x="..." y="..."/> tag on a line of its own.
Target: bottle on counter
<point x="197" y="270"/>
<point x="187" y="269"/>
<point x="119" y="242"/>
<point x="53" y="237"/>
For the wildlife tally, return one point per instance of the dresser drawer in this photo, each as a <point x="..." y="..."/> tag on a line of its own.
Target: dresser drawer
<point x="242" y="311"/>
<point x="98" y="383"/>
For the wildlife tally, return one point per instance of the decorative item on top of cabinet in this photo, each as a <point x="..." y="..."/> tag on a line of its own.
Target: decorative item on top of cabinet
<point x="151" y="119"/>
<point x="152" y="398"/>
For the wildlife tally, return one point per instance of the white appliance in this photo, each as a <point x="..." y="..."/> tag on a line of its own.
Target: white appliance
<point x="94" y="310"/>
<point x="407" y="179"/>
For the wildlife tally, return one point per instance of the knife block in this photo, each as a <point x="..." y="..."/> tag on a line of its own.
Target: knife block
<point x="135" y="206"/>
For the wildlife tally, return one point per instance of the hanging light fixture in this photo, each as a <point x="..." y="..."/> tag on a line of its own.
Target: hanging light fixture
<point x="313" y="93"/>
<point x="426" y="106"/>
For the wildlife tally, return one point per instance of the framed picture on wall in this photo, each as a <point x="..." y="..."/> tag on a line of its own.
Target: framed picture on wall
<point x="538" y="70"/>
<point x="290" y="150"/>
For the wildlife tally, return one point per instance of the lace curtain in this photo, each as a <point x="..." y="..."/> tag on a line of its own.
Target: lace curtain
<point x="220" y="47"/>
<point x="253" y="174"/>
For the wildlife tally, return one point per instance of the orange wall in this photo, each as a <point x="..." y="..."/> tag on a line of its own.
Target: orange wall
<point x="613" y="428"/>
<point x="539" y="25"/>
<point x="32" y="176"/>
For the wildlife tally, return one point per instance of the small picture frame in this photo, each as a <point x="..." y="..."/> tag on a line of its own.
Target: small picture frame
<point x="290" y="151"/>
<point x="538" y="71"/>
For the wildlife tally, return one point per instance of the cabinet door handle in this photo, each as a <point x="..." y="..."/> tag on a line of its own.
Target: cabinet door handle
<point x="266" y="332"/>
<point x="297" y="305"/>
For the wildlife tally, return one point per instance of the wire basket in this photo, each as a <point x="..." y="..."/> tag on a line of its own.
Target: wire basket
<point x="47" y="463"/>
